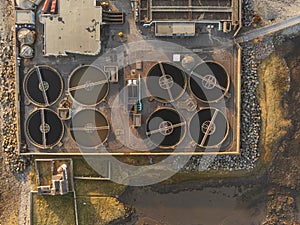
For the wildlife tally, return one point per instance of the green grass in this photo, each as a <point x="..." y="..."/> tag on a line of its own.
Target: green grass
<point x="50" y="210"/>
<point x="82" y="168"/>
<point x="45" y="174"/>
<point x="99" y="210"/>
<point x="211" y="174"/>
<point x="274" y="84"/>
<point x="99" y="188"/>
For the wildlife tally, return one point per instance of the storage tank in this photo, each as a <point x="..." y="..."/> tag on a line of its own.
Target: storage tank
<point x="88" y="85"/>
<point x="166" y="82"/>
<point x="89" y="128"/>
<point x="208" y="128"/>
<point x="26" y="36"/>
<point x="166" y="128"/>
<point x="44" y="129"/>
<point x="26" y="52"/>
<point x="209" y="82"/>
<point x="43" y="85"/>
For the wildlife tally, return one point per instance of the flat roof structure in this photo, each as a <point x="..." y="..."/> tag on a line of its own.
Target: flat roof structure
<point x="170" y="29"/>
<point x="75" y="29"/>
<point x="191" y="10"/>
<point x="25" y="17"/>
<point x="226" y="13"/>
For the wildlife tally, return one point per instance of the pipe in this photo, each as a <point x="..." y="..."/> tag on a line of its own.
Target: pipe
<point x="46" y="5"/>
<point x="53" y="6"/>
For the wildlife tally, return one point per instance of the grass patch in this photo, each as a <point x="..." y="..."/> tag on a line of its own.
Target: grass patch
<point x="53" y="209"/>
<point x="99" y="210"/>
<point x="140" y="160"/>
<point x="99" y="188"/>
<point x="273" y="87"/>
<point x="45" y="173"/>
<point x="82" y="168"/>
<point x="208" y="175"/>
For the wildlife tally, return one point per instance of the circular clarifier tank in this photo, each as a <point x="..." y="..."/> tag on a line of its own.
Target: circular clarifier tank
<point x="44" y="128"/>
<point x="208" y="128"/>
<point x="166" y="82"/>
<point x="89" y="128"/>
<point x="166" y="128"/>
<point x="43" y="85"/>
<point x="88" y="85"/>
<point x="209" y="82"/>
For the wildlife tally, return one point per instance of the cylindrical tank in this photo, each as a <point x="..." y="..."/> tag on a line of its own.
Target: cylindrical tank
<point x="26" y="52"/>
<point x="44" y="129"/>
<point x="89" y="128"/>
<point x="43" y="85"/>
<point x="166" y="128"/>
<point x="209" y="82"/>
<point x="88" y="85"/>
<point x="188" y="62"/>
<point x="208" y="128"/>
<point x="26" y="36"/>
<point x="166" y="82"/>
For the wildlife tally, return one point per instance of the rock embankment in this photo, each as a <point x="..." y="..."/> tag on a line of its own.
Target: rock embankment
<point x="8" y="110"/>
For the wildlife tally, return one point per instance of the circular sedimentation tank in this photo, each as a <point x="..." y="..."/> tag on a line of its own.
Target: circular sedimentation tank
<point x="44" y="129"/>
<point x="166" y="82"/>
<point x="43" y="85"/>
<point x="166" y="128"/>
<point x="89" y="128"/>
<point x="209" y="82"/>
<point x="88" y="85"/>
<point x="208" y="128"/>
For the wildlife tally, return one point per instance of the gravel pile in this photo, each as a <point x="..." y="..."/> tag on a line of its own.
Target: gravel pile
<point x="247" y="12"/>
<point x="250" y="123"/>
<point x="8" y="112"/>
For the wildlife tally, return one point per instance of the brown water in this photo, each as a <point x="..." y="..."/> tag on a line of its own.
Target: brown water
<point x="209" y="206"/>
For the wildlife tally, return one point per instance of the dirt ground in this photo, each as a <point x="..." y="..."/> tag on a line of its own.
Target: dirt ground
<point x="277" y="10"/>
<point x="15" y="189"/>
<point x="284" y="172"/>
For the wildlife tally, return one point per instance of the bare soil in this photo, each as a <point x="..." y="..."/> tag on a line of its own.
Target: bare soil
<point x="270" y="10"/>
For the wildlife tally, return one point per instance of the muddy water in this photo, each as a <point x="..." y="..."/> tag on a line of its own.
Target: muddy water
<point x="209" y="206"/>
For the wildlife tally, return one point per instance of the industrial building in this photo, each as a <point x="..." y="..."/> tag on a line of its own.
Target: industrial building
<point x="179" y="17"/>
<point x="54" y="177"/>
<point x="193" y="87"/>
<point x="65" y="32"/>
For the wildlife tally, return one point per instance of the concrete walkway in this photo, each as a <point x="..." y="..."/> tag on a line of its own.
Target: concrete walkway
<point x="266" y="30"/>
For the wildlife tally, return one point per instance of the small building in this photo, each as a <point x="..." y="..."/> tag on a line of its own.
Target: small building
<point x="44" y="190"/>
<point x="74" y="28"/>
<point x="25" y="17"/>
<point x="58" y="183"/>
<point x="175" y="29"/>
